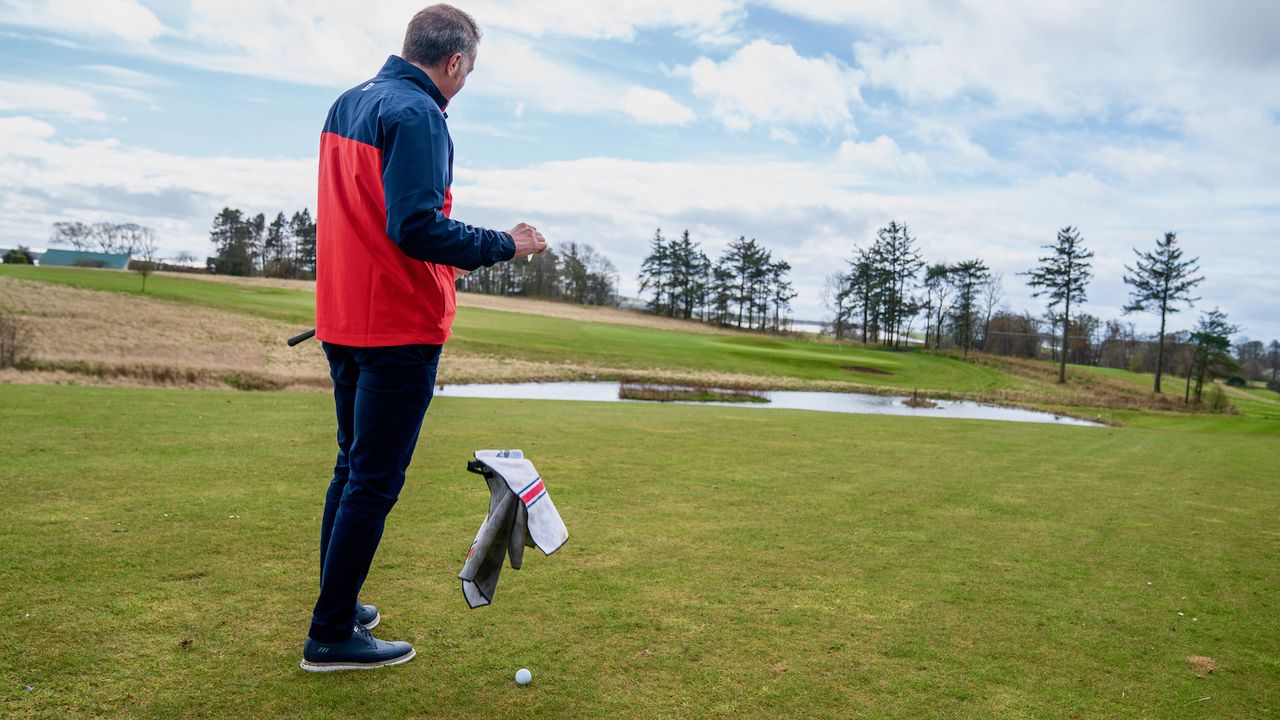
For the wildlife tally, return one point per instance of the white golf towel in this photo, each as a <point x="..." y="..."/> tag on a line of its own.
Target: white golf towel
<point x="521" y="514"/>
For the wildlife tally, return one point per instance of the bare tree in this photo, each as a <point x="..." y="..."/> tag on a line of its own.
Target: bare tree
<point x="146" y="252"/>
<point x="992" y="294"/>
<point x="76" y="234"/>
<point x="14" y="338"/>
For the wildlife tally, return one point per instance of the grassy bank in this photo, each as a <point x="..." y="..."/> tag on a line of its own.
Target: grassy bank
<point x="532" y="338"/>
<point x="235" y="329"/>
<point x="158" y="551"/>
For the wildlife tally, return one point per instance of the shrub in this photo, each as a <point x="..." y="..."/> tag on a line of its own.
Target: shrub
<point x="251" y="381"/>
<point x="15" y="349"/>
<point x="1237" y="381"/>
<point x="1218" y="401"/>
<point x="1273" y="385"/>
<point x="21" y="256"/>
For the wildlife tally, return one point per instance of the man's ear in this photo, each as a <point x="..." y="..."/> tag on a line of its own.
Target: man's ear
<point x="455" y="63"/>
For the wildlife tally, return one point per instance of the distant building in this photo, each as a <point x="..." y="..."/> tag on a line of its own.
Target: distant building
<point x="72" y="258"/>
<point x="632" y="303"/>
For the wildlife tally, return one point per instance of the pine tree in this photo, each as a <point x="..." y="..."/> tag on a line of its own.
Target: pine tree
<point x="836" y="291"/>
<point x="742" y="266"/>
<point x="967" y="278"/>
<point x="1063" y="277"/>
<point x="936" y="287"/>
<point x="655" y="274"/>
<point x="781" y="291"/>
<point x="255" y="237"/>
<point x="864" y="297"/>
<point x="723" y="286"/>
<point x="274" y="248"/>
<point x="229" y="238"/>
<point x="303" y="230"/>
<point x="1212" y="354"/>
<point x="1161" y="280"/>
<point x="895" y="262"/>
<point x="684" y="254"/>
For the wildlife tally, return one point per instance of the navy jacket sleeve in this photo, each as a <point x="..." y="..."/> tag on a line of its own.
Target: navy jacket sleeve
<point x="415" y="174"/>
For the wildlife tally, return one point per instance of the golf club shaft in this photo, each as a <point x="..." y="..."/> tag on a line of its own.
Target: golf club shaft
<point x="304" y="336"/>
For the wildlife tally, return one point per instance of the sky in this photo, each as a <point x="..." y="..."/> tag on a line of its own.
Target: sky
<point x="805" y="124"/>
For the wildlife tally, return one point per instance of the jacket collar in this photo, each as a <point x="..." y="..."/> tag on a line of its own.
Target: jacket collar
<point x="398" y="68"/>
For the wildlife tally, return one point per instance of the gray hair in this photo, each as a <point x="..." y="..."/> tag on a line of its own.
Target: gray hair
<point x="437" y="32"/>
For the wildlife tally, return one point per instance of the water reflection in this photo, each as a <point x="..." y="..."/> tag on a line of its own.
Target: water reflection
<point x="786" y="399"/>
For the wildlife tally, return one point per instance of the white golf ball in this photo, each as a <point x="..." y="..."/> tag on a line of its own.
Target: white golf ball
<point x="523" y="676"/>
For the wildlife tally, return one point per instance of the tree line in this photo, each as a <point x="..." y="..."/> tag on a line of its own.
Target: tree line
<point x="576" y="273"/>
<point x="249" y="245"/>
<point x="888" y="285"/>
<point x="746" y="287"/>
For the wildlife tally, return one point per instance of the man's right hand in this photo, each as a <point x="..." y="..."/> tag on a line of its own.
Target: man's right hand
<point x="528" y="240"/>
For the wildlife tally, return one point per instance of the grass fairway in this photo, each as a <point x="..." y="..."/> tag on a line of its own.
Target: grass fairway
<point x="530" y="337"/>
<point x="157" y="550"/>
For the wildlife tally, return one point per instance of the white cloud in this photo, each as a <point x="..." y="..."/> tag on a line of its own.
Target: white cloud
<point x="126" y="76"/>
<point x="18" y="131"/>
<point x="783" y="135"/>
<point x="882" y="156"/>
<point x="43" y="98"/>
<point x="1066" y="60"/>
<point x="768" y="84"/>
<point x="1191" y="85"/>
<point x="808" y="213"/>
<point x="513" y="68"/>
<point x="125" y="19"/>
<point x="338" y="44"/>
<point x="655" y="107"/>
<point x="617" y="20"/>
<point x="812" y="214"/>
<point x="44" y="179"/>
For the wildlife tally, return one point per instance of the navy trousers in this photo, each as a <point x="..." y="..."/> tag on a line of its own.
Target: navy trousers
<point x="381" y="395"/>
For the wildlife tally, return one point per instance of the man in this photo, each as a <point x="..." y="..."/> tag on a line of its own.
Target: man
<point x="387" y="256"/>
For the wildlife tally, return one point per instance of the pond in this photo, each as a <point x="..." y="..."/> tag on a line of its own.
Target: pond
<point x="782" y="399"/>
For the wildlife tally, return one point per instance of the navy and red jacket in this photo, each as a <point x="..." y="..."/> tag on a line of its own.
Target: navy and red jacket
<point x="385" y="245"/>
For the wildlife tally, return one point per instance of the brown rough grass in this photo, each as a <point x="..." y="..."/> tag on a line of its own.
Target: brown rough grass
<point x="1083" y="389"/>
<point x="123" y="339"/>
<point x="1202" y="665"/>
<point x="104" y="338"/>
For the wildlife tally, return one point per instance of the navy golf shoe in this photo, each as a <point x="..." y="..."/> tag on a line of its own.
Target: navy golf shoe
<point x="360" y="652"/>
<point x="367" y="615"/>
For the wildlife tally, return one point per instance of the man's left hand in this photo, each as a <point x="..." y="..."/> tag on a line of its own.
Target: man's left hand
<point x="459" y="273"/>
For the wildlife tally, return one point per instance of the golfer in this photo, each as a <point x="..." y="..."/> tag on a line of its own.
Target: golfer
<point x="387" y="257"/>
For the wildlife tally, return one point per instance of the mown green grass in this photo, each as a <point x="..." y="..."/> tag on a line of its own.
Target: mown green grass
<point x="531" y="337"/>
<point x="722" y="562"/>
<point x="277" y="304"/>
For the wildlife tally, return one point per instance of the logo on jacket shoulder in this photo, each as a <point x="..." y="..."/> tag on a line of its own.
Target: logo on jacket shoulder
<point x="366" y="87"/>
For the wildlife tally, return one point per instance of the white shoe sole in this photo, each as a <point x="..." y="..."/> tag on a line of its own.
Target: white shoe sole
<point x="376" y="619"/>
<point x="336" y="666"/>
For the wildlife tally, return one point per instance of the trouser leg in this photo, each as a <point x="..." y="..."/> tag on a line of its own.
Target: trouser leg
<point x="392" y="392"/>
<point x="344" y="372"/>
